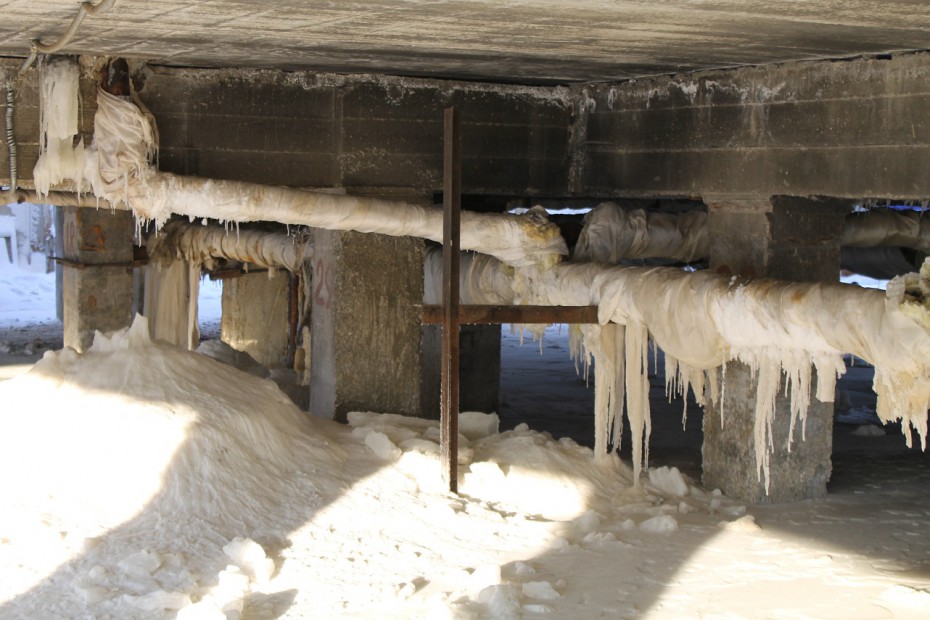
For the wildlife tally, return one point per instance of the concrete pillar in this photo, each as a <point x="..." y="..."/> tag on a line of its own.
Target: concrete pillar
<point x="365" y="324"/>
<point x="255" y="316"/>
<point x="479" y="369"/>
<point x="97" y="281"/>
<point x="790" y="239"/>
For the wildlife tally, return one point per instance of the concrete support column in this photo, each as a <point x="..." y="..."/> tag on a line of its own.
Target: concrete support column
<point x="479" y="369"/>
<point x="255" y="316"/>
<point x="365" y="324"/>
<point x="790" y="239"/>
<point x="97" y="282"/>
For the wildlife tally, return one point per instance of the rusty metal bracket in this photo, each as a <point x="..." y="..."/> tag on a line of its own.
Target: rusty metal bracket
<point x="74" y="264"/>
<point x="493" y="315"/>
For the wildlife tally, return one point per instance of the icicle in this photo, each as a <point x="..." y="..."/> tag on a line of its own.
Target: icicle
<point x="671" y="377"/>
<point x="619" y="383"/>
<point x="769" y="379"/>
<point x="723" y="390"/>
<point x="606" y="344"/>
<point x="603" y="382"/>
<point x="798" y="383"/>
<point x="637" y="395"/>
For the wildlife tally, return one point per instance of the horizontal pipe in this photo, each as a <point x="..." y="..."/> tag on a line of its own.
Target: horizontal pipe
<point x="200" y="243"/>
<point x="612" y="234"/>
<point x="124" y="139"/>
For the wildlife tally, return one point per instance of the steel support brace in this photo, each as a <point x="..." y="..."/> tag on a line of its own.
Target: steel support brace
<point x="496" y="315"/>
<point x="452" y="204"/>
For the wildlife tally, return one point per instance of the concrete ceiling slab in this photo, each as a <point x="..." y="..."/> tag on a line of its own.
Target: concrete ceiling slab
<point x="519" y="41"/>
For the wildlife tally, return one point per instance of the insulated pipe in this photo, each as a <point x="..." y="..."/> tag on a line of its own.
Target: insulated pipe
<point x="704" y="319"/>
<point x="612" y="233"/>
<point x="201" y="243"/>
<point x="887" y="228"/>
<point x="124" y="141"/>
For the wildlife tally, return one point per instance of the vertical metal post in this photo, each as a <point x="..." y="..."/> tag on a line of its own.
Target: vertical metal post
<point x="452" y="205"/>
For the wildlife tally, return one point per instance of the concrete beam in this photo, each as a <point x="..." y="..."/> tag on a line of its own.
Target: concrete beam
<point x="319" y="130"/>
<point x="856" y="129"/>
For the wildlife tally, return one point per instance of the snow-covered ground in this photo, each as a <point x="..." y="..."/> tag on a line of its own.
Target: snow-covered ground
<point x="142" y="481"/>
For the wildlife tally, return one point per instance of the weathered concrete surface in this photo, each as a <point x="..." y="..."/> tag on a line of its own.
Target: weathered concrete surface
<point x="729" y="461"/>
<point x="365" y="324"/>
<point x="854" y="129"/>
<point x="97" y="288"/>
<point x="320" y="130"/>
<point x="781" y="237"/>
<point x="791" y="239"/>
<point x="499" y="40"/>
<point x="255" y="316"/>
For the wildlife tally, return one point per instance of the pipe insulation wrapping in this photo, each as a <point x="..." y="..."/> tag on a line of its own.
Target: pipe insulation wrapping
<point x="885" y="227"/>
<point x="203" y="243"/>
<point x="119" y="171"/>
<point x="703" y="320"/>
<point x="612" y="233"/>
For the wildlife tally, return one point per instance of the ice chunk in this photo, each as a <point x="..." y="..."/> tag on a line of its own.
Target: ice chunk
<point x="143" y="563"/>
<point x="250" y="557"/>
<point x="586" y="523"/>
<point x="92" y="594"/>
<point x="743" y="524"/>
<point x="522" y="568"/>
<point x="382" y="446"/>
<point x="659" y="525"/>
<point x="160" y="600"/>
<point x="420" y="445"/>
<point x="542" y="590"/>
<point x="668" y="480"/>
<point x="502" y="601"/>
<point x="537" y="608"/>
<point x="476" y="425"/>
<point x="868" y="430"/>
<point x="484" y="577"/>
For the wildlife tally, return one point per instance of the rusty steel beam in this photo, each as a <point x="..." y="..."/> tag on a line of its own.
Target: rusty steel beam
<point x="491" y="315"/>
<point x="452" y="205"/>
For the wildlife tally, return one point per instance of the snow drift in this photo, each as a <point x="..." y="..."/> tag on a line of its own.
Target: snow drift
<point x="152" y="482"/>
